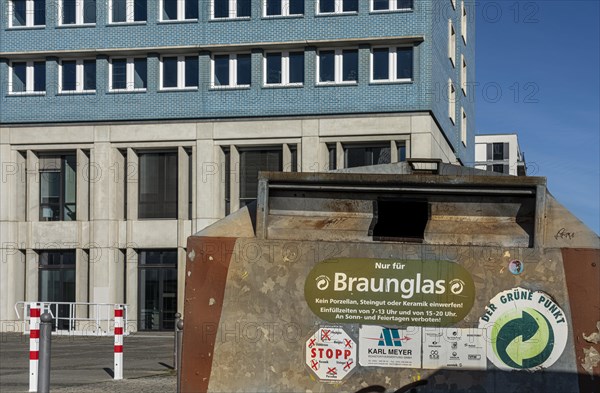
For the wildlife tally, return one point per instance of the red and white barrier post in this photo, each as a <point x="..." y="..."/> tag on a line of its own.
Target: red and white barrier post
<point x="34" y="345"/>
<point x="118" y="370"/>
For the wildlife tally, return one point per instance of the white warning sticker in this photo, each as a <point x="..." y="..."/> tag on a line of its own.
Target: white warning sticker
<point x="454" y="348"/>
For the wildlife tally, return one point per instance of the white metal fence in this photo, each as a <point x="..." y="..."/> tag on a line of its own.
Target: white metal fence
<point x="83" y="319"/>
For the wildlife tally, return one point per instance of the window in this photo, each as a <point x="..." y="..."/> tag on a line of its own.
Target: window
<point x="366" y="155"/>
<point x="252" y="161"/>
<point x="27" y="13"/>
<point x="284" y="68"/>
<point x="57" y="283"/>
<point x="463" y="21"/>
<point x="392" y="64"/>
<point x="77" y="12"/>
<point x="451" y="43"/>
<point x="128" y="11"/>
<point x="179" y="72"/>
<point x="242" y="165"/>
<point x="231" y="8"/>
<point x="451" y="102"/>
<point x="391" y="5"/>
<point x="497" y="151"/>
<point x="158" y="185"/>
<point x="463" y="74"/>
<point x="337" y="66"/>
<point x="58" y="185"/>
<point x="231" y="70"/>
<point x="283" y="7"/>
<point x="401" y="146"/>
<point x="498" y="168"/>
<point x="337" y="6"/>
<point x="175" y="10"/>
<point x="77" y="76"/>
<point x="27" y="77"/>
<point x="130" y="74"/>
<point x="357" y="154"/>
<point x="157" y="286"/>
<point x="463" y="127"/>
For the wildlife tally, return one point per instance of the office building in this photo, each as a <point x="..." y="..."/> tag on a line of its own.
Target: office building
<point x="126" y="126"/>
<point x="500" y="153"/>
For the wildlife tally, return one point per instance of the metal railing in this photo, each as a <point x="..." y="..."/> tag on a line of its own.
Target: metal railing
<point x="75" y="318"/>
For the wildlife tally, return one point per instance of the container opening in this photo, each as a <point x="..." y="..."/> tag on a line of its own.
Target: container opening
<point x="400" y="220"/>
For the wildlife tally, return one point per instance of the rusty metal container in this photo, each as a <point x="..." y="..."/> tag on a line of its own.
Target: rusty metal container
<point x="495" y="261"/>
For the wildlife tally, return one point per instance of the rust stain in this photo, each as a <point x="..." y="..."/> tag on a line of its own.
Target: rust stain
<point x="205" y="284"/>
<point x="583" y="283"/>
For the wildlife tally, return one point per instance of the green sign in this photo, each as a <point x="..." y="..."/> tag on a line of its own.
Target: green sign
<point x="393" y="292"/>
<point x="527" y="330"/>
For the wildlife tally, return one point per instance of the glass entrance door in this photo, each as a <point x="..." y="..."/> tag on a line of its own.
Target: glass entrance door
<point x="157" y="289"/>
<point x="57" y="283"/>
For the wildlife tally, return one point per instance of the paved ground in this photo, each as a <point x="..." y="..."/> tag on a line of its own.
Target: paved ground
<point x="84" y="364"/>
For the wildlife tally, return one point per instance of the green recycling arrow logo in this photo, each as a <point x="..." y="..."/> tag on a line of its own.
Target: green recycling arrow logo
<point x="523" y="338"/>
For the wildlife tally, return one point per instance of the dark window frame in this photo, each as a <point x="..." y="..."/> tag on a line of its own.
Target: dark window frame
<point x="62" y="204"/>
<point x="247" y="198"/>
<point x="368" y="147"/>
<point x="63" y="270"/>
<point x="161" y="269"/>
<point x="169" y="208"/>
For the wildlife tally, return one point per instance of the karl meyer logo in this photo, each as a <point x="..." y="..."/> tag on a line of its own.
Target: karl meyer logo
<point x="390" y="338"/>
<point x="322" y="282"/>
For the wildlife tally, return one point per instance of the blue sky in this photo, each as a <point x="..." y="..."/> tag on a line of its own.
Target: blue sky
<point x="548" y="52"/>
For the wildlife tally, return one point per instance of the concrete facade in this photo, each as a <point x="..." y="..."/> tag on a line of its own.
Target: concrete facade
<point x="108" y="233"/>
<point x="107" y="130"/>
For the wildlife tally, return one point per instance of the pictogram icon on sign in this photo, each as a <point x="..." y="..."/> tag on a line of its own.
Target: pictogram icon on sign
<point x="332" y="372"/>
<point x="330" y="353"/>
<point x="314" y="365"/>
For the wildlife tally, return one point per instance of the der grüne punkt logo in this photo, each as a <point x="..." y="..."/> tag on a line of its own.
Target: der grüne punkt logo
<point x="527" y="330"/>
<point x="523" y="338"/>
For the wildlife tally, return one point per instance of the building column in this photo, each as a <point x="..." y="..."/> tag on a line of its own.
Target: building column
<point x="13" y="283"/>
<point x="207" y="182"/>
<point x="31" y="276"/>
<point x="183" y="177"/>
<point x="33" y="184"/>
<point x="181" y="261"/>
<point x="287" y="158"/>
<point x="6" y="230"/>
<point x="118" y="175"/>
<point x="193" y="186"/>
<point x="131" y="283"/>
<point x="106" y="274"/>
<point x="12" y="210"/>
<point x="234" y="178"/>
<point x="393" y="152"/>
<point x="310" y="152"/>
<point x="132" y="171"/>
<point x="339" y="150"/>
<point x="81" y="284"/>
<point x="83" y="188"/>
